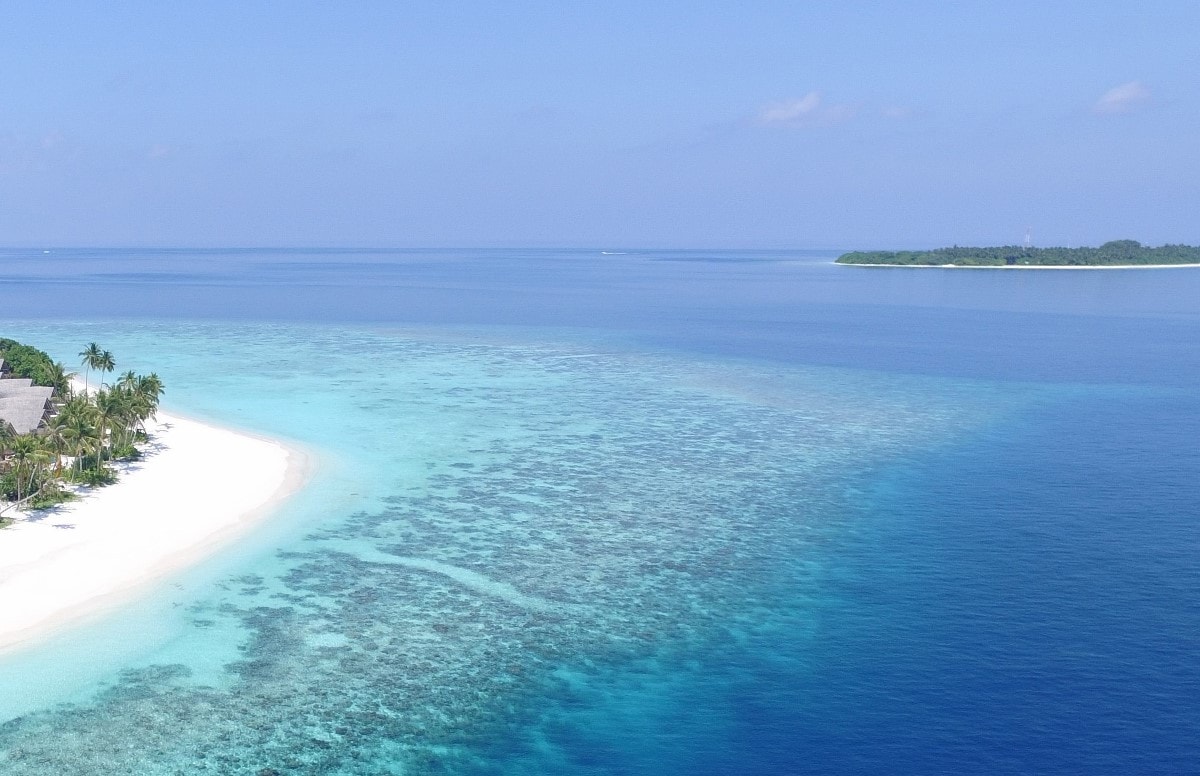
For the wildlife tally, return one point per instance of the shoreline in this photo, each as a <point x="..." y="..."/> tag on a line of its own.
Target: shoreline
<point x="197" y="487"/>
<point x="1023" y="266"/>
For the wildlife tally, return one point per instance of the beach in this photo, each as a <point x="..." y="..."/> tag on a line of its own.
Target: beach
<point x="1024" y="266"/>
<point x="196" y="488"/>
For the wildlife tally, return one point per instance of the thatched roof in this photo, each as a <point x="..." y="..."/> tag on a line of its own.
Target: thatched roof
<point x="24" y="405"/>
<point x="15" y="386"/>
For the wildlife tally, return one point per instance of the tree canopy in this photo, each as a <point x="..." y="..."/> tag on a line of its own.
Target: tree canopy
<point x="24" y="360"/>
<point x="89" y="428"/>
<point x="1114" y="253"/>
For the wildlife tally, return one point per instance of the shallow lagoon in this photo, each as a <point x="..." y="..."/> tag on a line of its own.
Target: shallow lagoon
<point x="669" y="512"/>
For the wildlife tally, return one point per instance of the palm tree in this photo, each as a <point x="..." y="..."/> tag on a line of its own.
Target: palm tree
<point x="38" y="459"/>
<point x="56" y="440"/>
<point x="132" y="406"/>
<point x="76" y="405"/>
<point x="91" y="360"/>
<point x="7" y="435"/>
<point x="81" y="436"/>
<point x="106" y="363"/>
<point x="23" y="448"/>
<point x="147" y="393"/>
<point x="59" y="378"/>
<point x="111" y="407"/>
<point x="153" y="384"/>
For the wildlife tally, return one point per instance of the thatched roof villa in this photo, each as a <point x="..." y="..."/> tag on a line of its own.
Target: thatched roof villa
<point x="23" y="405"/>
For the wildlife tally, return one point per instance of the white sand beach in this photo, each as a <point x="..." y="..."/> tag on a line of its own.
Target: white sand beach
<point x="197" y="487"/>
<point x="1025" y="266"/>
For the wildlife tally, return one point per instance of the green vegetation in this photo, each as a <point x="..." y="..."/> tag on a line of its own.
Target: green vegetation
<point x="82" y="434"/>
<point x="28" y="361"/>
<point x="1111" y="254"/>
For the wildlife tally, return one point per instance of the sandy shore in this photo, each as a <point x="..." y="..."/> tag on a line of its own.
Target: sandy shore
<point x="196" y="488"/>
<point x="1026" y="266"/>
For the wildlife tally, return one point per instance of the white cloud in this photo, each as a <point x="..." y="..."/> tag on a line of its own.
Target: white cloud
<point x="1123" y="98"/>
<point x="158" y="151"/>
<point x="805" y="111"/>
<point x="790" y="111"/>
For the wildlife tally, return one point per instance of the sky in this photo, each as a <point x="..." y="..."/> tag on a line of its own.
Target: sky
<point x="616" y="124"/>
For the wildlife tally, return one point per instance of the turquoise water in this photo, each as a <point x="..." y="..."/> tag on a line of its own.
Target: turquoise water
<point x="722" y="528"/>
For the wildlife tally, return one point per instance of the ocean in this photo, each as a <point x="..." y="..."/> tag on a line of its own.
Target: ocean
<point x="646" y="512"/>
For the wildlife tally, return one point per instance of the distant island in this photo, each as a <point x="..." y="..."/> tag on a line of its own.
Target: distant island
<point x="1117" y="253"/>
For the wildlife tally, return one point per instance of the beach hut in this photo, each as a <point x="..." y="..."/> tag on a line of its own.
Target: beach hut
<point x="23" y="405"/>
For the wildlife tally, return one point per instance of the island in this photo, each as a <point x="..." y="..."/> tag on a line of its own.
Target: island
<point x="1114" y="254"/>
<point x="102" y="494"/>
<point x="45" y="422"/>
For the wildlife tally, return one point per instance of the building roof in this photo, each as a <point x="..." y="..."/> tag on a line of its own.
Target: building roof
<point x="15" y="386"/>
<point x="23" y="405"/>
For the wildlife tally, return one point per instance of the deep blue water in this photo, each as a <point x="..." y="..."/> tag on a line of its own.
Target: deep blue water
<point x="878" y="520"/>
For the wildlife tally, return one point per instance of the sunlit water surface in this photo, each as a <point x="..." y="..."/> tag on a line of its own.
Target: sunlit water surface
<point x="663" y="512"/>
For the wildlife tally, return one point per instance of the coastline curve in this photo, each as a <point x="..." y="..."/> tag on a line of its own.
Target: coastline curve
<point x="199" y="487"/>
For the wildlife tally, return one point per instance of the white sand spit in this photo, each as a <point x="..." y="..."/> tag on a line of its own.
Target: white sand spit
<point x="195" y="489"/>
<point x="1026" y="266"/>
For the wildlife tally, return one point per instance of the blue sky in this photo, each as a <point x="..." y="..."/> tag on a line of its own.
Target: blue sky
<point x="756" y="124"/>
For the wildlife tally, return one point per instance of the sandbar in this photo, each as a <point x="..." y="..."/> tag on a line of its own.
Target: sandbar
<point x="1024" y="266"/>
<point x="196" y="488"/>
